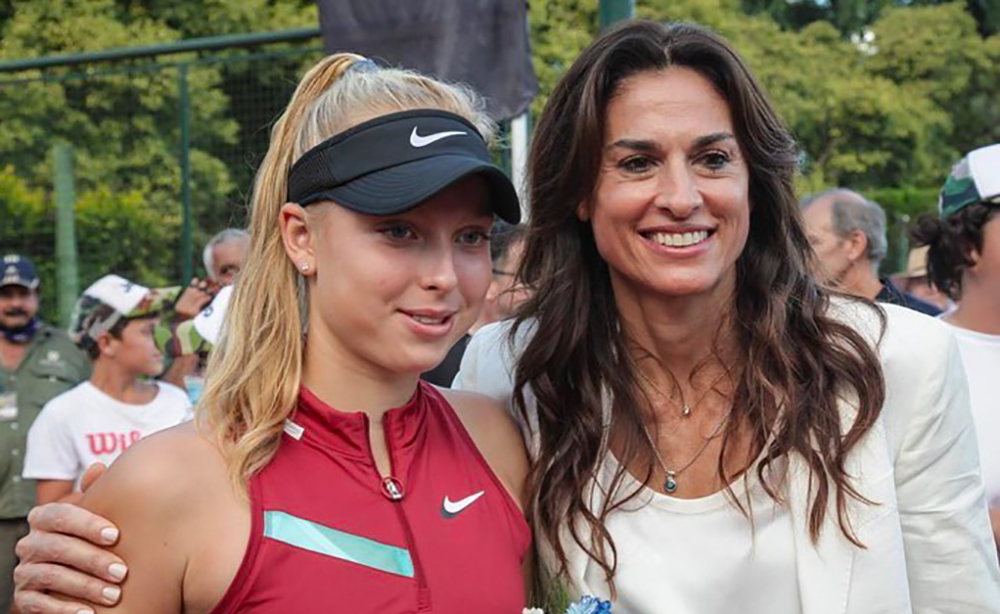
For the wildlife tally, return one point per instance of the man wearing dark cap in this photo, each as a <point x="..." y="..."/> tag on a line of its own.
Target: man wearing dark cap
<point x="37" y="362"/>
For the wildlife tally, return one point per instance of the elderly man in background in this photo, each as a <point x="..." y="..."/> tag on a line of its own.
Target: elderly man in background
<point x="848" y="234"/>
<point x="37" y="363"/>
<point x="224" y="255"/>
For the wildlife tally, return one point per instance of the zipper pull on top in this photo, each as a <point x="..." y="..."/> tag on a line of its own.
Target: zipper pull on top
<point x="392" y="488"/>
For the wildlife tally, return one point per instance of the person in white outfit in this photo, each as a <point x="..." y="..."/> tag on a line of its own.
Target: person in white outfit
<point x="963" y="261"/>
<point x="712" y="433"/>
<point x="113" y="322"/>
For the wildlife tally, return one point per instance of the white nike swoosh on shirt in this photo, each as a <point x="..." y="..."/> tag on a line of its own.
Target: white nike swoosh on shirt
<point x="423" y="141"/>
<point x="451" y="508"/>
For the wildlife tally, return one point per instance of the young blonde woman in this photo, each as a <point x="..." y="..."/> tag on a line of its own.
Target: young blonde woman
<point x="321" y="474"/>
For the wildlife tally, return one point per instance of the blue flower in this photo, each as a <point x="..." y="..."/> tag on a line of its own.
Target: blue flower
<point x="589" y="605"/>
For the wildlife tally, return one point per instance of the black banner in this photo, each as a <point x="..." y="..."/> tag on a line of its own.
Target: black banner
<point x="480" y="42"/>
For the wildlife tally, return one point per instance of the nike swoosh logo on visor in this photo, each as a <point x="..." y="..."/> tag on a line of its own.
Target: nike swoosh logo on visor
<point x="450" y="509"/>
<point x="423" y="141"/>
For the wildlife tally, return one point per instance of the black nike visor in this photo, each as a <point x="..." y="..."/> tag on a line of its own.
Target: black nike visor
<point x="395" y="162"/>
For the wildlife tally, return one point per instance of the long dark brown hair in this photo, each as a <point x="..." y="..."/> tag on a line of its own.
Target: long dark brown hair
<point x="794" y="357"/>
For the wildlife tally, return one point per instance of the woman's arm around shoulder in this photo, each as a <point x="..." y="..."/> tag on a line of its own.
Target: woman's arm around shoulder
<point x="951" y="560"/>
<point x="496" y="436"/>
<point x="162" y="496"/>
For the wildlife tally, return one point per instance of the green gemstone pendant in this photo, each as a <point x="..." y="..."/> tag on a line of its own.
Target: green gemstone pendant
<point x="670" y="484"/>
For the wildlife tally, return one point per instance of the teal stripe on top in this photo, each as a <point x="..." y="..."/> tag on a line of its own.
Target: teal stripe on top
<point x="308" y="535"/>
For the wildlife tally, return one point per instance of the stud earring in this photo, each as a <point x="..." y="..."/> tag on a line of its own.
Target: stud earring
<point x="304" y="266"/>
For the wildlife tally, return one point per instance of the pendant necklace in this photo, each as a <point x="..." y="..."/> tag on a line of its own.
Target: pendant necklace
<point x="684" y="407"/>
<point x="670" y="475"/>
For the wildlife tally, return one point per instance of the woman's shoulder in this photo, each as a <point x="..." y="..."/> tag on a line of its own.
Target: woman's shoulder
<point x="159" y="475"/>
<point x="908" y="342"/>
<point x="184" y="527"/>
<point x="921" y="365"/>
<point x="494" y="434"/>
<point x="481" y="413"/>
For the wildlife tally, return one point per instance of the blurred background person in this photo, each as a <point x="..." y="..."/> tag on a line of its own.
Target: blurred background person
<point x="915" y="282"/>
<point x="848" y="234"/>
<point x="182" y="366"/>
<point x="37" y="362"/>
<point x="505" y="294"/>
<point x="224" y="255"/>
<point x="96" y="421"/>
<point x="193" y="340"/>
<point x="964" y="262"/>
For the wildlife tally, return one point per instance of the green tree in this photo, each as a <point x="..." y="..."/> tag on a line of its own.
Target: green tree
<point x="852" y="16"/>
<point x="124" y="126"/>
<point x="123" y="119"/>
<point x="559" y="32"/>
<point x="120" y="232"/>
<point x="934" y="53"/>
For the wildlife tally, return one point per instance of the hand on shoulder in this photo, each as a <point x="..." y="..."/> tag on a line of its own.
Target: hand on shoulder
<point x="168" y="494"/>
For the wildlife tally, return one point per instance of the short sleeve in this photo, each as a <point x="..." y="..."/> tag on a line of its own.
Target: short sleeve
<point x="50" y="452"/>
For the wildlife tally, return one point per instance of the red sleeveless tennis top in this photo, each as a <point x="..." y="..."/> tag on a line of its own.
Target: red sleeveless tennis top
<point x="329" y="534"/>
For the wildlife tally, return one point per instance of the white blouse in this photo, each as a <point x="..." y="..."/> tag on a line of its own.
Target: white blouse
<point x="701" y="556"/>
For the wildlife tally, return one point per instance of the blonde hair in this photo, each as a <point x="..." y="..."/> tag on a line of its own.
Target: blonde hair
<point x="255" y="369"/>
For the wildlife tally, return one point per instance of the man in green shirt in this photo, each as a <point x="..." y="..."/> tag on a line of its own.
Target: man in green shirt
<point x="37" y="363"/>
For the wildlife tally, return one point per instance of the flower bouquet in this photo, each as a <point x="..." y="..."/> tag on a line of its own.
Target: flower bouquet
<point x="586" y="605"/>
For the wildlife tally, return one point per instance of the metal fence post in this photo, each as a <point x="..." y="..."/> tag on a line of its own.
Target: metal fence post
<point x="611" y="11"/>
<point x="67" y="284"/>
<point x="186" y="243"/>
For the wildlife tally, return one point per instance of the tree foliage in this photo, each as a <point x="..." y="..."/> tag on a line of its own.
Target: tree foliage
<point x="118" y="231"/>
<point x="123" y="121"/>
<point x="852" y="16"/>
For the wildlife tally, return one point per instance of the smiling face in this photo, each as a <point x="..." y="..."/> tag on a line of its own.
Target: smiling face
<point x="396" y="292"/>
<point x="670" y="212"/>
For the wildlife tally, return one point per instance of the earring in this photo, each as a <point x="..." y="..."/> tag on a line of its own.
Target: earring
<point x="304" y="266"/>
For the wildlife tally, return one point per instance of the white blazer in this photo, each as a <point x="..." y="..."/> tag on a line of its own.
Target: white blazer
<point x="929" y="547"/>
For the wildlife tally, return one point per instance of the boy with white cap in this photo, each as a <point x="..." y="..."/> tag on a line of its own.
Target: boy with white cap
<point x="963" y="261"/>
<point x="114" y="322"/>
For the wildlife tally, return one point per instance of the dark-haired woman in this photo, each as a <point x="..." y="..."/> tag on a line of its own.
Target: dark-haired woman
<point x="711" y="433"/>
<point x="963" y="261"/>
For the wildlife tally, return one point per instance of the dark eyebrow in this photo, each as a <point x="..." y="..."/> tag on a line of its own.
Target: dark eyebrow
<point x="637" y="145"/>
<point x="651" y="146"/>
<point x="711" y="139"/>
